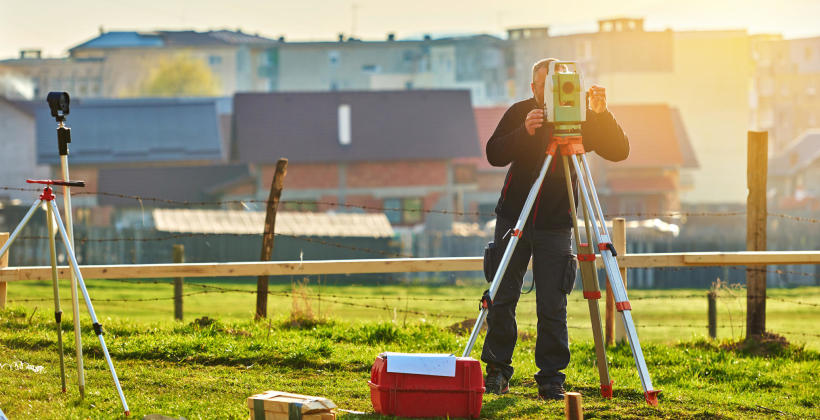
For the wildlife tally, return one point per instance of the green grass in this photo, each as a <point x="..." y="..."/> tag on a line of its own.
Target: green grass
<point x="182" y="369"/>
<point x="662" y="316"/>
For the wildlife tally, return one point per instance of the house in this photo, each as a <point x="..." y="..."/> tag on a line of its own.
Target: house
<point x="132" y="133"/>
<point x="115" y="63"/>
<point x="18" y="157"/>
<point x="474" y="62"/>
<point x="793" y="174"/>
<point x="378" y="149"/>
<point x="650" y="180"/>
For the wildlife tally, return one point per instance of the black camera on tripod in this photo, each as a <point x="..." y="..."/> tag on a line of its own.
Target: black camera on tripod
<point x="59" y="104"/>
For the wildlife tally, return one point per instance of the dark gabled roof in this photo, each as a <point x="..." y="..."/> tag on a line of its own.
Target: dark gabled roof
<point x="131" y="39"/>
<point x="177" y="183"/>
<point x="134" y="130"/>
<point x="802" y="152"/>
<point x="385" y="126"/>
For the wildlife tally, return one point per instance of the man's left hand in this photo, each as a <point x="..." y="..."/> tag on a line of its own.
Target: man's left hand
<point x="597" y="98"/>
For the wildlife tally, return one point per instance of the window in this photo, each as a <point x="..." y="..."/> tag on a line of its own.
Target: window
<point x="403" y="211"/>
<point x="412" y="210"/>
<point x="214" y="60"/>
<point x="333" y="57"/>
<point x="394" y="216"/>
<point x="300" y="205"/>
<point x="372" y="68"/>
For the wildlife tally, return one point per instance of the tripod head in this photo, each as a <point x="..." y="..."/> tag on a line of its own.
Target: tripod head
<point x="56" y="182"/>
<point x="59" y="102"/>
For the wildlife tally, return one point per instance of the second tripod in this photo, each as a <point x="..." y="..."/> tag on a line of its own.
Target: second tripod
<point x="53" y="216"/>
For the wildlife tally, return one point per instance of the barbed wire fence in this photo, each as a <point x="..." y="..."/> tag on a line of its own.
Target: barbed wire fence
<point x="354" y="301"/>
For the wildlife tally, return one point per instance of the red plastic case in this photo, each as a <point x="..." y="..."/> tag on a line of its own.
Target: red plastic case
<point x="410" y="395"/>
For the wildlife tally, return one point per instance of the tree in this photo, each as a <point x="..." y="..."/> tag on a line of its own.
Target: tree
<point x="180" y="75"/>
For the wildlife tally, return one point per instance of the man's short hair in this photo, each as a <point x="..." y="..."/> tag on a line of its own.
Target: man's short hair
<point x="541" y="64"/>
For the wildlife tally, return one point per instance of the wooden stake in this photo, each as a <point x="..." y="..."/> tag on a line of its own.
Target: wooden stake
<point x="179" y="258"/>
<point x="267" y="239"/>
<point x="573" y="408"/>
<point x="756" y="212"/>
<point x="711" y="297"/>
<point x="4" y="262"/>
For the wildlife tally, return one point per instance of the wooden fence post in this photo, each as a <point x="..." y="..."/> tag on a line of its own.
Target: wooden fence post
<point x="179" y="258"/>
<point x="4" y="262"/>
<point x="267" y="239"/>
<point x="711" y="298"/>
<point x="756" y="212"/>
<point x="619" y="241"/>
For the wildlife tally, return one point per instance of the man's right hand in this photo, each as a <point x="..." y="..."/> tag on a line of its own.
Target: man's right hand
<point x="535" y="119"/>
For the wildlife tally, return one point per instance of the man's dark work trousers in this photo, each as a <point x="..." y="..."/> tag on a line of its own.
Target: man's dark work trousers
<point x="554" y="275"/>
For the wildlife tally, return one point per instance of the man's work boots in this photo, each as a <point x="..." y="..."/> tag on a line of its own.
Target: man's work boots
<point x="495" y="382"/>
<point x="551" y="391"/>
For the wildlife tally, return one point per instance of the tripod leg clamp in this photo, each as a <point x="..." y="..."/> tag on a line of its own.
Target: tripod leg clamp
<point x="98" y="328"/>
<point x="608" y="246"/>
<point x="623" y="306"/>
<point x="592" y="295"/>
<point x="486" y="302"/>
<point x="58" y="316"/>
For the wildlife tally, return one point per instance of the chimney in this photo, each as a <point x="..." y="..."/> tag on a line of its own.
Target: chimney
<point x="341" y="37"/>
<point x="344" y="124"/>
<point x="31" y="54"/>
<point x="281" y="38"/>
<point x="427" y="37"/>
<point x="391" y="36"/>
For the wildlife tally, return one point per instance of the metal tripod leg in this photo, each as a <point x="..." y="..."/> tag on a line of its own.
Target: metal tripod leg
<point x="97" y="326"/>
<point x="58" y="312"/>
<point x="589" y="278"/>
<point x="505" y="260"/>
<point x="591" y="203"/>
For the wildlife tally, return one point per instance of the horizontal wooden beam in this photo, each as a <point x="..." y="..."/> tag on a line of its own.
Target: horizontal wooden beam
<point x="391" y="265"/>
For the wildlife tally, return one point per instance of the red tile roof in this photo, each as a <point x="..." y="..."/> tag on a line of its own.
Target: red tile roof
<point x="486" y="119"/>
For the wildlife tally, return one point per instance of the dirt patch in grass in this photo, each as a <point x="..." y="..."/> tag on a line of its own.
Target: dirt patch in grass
<point x="766" y="345"/>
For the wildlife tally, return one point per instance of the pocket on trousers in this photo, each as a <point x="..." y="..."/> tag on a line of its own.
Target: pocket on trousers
<point x="491" y="260"/>
<point x="570" y="271"/>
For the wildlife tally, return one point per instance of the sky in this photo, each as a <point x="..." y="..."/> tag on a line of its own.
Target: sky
<point x="54" y="26"/>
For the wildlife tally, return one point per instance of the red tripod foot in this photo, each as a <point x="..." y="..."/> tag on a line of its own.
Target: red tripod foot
<point x="652" y="397"/>
<point x="606" y="390"/>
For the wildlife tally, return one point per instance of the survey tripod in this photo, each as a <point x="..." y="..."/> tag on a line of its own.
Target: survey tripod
<point x="568" y="142"/>
<point x="52" y="218"/>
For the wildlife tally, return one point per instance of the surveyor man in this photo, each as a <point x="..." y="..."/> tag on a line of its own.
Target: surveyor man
<point x="520" y="140"/>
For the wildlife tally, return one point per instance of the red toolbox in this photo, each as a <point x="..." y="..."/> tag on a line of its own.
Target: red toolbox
<point x="413" y="395"/>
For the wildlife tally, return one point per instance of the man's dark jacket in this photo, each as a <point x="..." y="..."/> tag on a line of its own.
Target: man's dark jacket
<point x="510" y="143"/>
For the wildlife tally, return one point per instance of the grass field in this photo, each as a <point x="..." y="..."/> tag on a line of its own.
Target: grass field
<point x="183" y="369"/>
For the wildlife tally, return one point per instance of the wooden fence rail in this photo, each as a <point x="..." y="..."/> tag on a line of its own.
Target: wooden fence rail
<point x="392" y="265"/>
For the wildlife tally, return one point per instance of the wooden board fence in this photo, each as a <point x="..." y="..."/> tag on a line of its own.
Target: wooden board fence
<point x="391" y="265"/>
